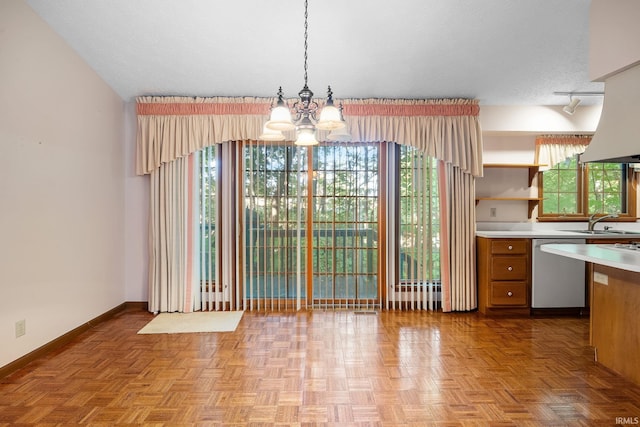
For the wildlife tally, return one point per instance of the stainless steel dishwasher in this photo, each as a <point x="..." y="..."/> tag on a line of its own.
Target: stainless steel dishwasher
<point x="557" y="281"/>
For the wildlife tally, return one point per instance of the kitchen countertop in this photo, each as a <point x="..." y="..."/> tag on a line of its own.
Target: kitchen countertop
<point x="552" y="234"/>
<point x="603" y="254"/>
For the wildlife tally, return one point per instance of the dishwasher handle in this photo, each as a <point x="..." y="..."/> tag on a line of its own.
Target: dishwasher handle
<point x="539" y="242"/>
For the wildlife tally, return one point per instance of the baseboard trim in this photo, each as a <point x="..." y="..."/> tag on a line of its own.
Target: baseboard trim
<point x="68" y="337"/>
<point x="555" y="312"/>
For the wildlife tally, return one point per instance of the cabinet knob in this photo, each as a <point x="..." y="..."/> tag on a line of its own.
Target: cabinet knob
<point x="509" y="294"/>
<point x="510" y="247"/>
<point x="510" y="268"/>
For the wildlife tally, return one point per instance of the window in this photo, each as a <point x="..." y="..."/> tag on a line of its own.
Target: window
<point x="571" y="189"/>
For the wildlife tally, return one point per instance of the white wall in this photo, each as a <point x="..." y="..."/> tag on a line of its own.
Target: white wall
<point x="136" y="216"/>
<point x="538" y="119"/>
<point x="61" y="186"/>
<point x="613" y="37"/>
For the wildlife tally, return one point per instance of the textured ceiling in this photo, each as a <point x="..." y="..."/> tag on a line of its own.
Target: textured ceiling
<point x="501" y="52"/>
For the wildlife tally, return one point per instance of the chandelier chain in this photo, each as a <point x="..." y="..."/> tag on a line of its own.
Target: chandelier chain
<point x="306" y="32"/>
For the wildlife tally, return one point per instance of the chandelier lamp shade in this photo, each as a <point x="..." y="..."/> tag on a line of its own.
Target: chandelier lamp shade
<point x="305" y="116"/>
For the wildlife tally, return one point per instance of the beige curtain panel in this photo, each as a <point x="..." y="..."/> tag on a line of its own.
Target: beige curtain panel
<point x="458" y="237"/>
<point x="170" y="243"/>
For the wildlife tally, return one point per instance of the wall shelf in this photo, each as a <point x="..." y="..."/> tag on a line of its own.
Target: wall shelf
<point x="532" y="201"/>
<point x="533" y="169"/>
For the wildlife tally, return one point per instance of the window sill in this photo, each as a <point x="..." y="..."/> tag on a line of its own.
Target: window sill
<point x="583" y="219"/>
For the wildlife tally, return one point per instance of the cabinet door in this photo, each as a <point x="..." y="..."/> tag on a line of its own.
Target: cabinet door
<point x="508" y="268"/>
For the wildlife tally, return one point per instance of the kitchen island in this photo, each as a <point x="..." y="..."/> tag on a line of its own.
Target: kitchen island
<point x="615" y="298"/>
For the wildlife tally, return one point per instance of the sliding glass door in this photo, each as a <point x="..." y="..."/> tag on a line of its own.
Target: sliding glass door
<point x="344" y="222"/>
<point x="336" y="225"/>
<point x="338" y="210"/>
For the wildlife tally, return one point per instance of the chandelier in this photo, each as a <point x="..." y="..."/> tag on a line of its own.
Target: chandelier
<point x="303" y="115"/>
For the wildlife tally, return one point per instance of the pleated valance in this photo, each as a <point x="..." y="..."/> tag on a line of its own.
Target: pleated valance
<point x="554" y="149"/>
<point x="173" y="127"/>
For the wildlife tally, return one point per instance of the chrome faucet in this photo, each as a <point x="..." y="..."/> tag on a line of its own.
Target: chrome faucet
<point x="593" y="220"/>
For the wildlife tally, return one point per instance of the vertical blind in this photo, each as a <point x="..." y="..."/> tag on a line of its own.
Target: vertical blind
<point x="416" y="236"/>
<point x="210" y="296"/>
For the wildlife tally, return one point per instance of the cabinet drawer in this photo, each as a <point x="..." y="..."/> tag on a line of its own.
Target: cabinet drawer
<point x="508" y="293"/>
<point x="506" y="246"/>
<point x="508" y="268"/>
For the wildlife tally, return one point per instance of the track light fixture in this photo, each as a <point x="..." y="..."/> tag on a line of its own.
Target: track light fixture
<point x="571" y="107"/>
<point x="573" y="102"/>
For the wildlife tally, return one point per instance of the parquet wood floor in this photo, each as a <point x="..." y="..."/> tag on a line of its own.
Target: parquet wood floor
<point x="326" y="368"/>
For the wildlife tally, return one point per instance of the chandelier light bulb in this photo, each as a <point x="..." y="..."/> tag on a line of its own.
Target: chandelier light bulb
<point x="280" y="115"/>
<point x="270" y="134"/>
<point x="330" y="118"/>
<point x="339" y="135"/>
<point x="306" y="137"/>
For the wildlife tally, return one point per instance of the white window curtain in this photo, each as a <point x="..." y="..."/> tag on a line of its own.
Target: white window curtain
<point x="172" y="281"/>
<point x="458" y="254"/>
<point x="554" y="149"/>
<point x="173" y="127"/>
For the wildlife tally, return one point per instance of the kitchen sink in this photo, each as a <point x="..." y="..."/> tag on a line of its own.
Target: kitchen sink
<point x="592" y="231"/>
<point x="615" y="232"/>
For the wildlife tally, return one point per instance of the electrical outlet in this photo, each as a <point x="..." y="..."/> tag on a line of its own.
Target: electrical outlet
<point x="492" y="212"/>
<point x="21" y="328"/>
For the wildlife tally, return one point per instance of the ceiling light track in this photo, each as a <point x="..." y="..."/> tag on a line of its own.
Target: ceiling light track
<point x="579" y="93"/>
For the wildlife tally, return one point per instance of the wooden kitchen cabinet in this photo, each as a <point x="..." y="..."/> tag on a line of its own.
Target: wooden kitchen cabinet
<point x="614" y="317"/>
<point x="504" y="276"/>
<point x="589" y="267"/>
